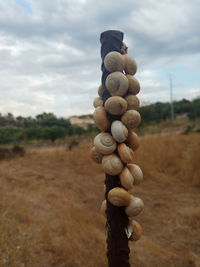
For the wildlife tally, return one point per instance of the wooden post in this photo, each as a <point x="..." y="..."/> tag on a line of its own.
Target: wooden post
<point x="117" y="221"/>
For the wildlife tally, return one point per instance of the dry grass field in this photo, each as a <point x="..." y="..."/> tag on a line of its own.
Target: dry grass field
<point x="50" y="198"/>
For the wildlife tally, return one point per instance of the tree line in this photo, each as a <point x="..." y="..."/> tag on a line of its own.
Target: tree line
<point x="47" y="126"/>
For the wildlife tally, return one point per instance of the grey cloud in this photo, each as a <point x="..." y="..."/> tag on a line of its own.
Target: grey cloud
<point x="55" y="50"/>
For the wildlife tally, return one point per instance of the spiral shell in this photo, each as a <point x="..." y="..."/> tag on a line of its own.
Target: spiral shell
<point x="126" y="178"/>
<point x="114" y="61"/>
<point x="116" y="105"/>
<point x="136" y="173"/>
<point x="119" y="197"/>
<point x="95" y="155"/>
<point x="98" y="101"/>
<point x="136" y="230"/>
<point x="126" y="153"/>
<point x="105" y="143"/>
<point x="112" y="164"/>
<point x="100" y="91"/>
<point x="100" y="119"/>
<point x="103" y="207"/>
<point x="134" y="86"/>
<point x="130" y="65"/>
<point x="135" y="207"/>
<point x="133" y="102"/>
<point x="117" y="83"/>
<point x="119" y="131"/>
<point x="131" y="119"/>
<point x="133" y="141"/>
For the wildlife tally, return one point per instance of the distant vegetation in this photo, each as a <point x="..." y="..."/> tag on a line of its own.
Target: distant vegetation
<point x="47" y="126"/>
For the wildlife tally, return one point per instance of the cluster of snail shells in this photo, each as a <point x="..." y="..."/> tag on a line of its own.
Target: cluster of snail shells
<point x="114" y="147"/>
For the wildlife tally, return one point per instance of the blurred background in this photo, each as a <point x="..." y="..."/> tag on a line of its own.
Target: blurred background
<point x="50" y="190"/>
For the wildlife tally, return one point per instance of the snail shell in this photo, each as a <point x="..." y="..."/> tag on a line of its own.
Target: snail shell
<point x="100" y="119"/>
<point x="133" y="141"/>
<point x="131" y="119"/>
<point x="134" y="86"/>
<point x="135" y="207"/>
<point x="100" y="91"/>
<point x="133" y="102"/>
<point x="126" y="178"/>
<point x="95" y="155"/>
<point x="114" y="61"/>
<point x="105" y="143"/>
<point x="119" y="197"/>
<point x="136" y="173"/>
<point x="130" y="65"/>
<point x="112" y="164"/>
<point x="117" y="83"/>
<point x="119" y="131"/>
<point x="104" y="207"/>
<point x="136" y="230"/>
<point x="116" y="105"/>
<point x="98" y="101"/>
<point x="125" y="153"/>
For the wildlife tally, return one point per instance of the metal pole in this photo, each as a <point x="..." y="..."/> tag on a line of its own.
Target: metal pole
<point x="171" y="98"/>
<point x="117" y="221"/>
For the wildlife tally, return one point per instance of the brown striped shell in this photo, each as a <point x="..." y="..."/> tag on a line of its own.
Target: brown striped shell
<point x="133" y="141"/>
<point x="100" y="119"/>
<point x="126" y="153"/>
<point x="98" y="101"/>
<point x="117" y="83"/>
<point x="119" y="197"/>
<point x="134" y="86"/>
<point x="126" y="179"/>
<point x="131" y="119"/>
<point x="135" y="206"/>
<point x="130" y="65"/>
<point x="116" y="105"/>
<point x="96" y="155"/>
<point x="112" y="164"/>
<point x="133" y="102"/>
<point x="136" y="173"/>
<point x="114" y="61"/>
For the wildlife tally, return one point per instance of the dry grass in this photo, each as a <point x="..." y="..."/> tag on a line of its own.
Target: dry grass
<point x="49" y="206"/>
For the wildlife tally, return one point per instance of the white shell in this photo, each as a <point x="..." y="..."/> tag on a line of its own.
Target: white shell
<point x="136" y="173"/>
<point x="114" y="61"/>
<point x="117" y="83"/>
<point x="112" y="164"/>
<point x="119" y="131"/>
<point x="105" y="143"/>
<point x="126" y="179"/>
<point x="135" y="207"/>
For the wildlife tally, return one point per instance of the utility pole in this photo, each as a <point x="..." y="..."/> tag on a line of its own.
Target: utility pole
<point x="171" y="98"/>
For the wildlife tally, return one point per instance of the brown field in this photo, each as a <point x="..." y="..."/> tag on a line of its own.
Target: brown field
<point x="50" y="198"/>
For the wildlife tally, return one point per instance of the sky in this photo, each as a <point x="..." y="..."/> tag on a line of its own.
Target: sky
<point x="50" y="51"/>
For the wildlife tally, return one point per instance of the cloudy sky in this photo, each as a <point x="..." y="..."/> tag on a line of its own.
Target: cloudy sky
<point x="50" y="51"/>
